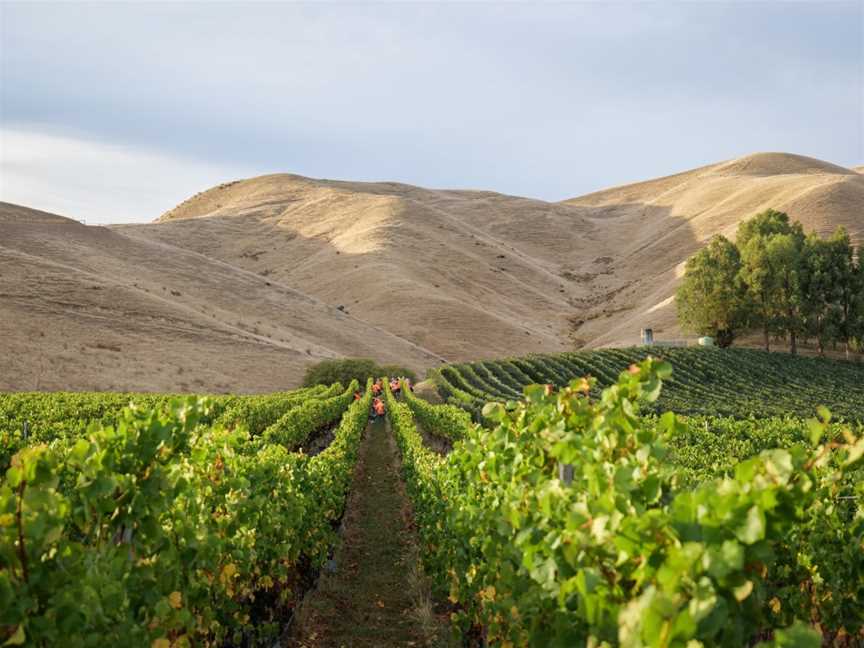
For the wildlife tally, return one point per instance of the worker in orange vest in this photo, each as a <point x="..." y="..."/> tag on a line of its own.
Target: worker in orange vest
<point x="378" y="407"/>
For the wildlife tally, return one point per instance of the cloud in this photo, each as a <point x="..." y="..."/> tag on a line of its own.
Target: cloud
<point x="545" y="100"/>
<point x="97" y="182"/>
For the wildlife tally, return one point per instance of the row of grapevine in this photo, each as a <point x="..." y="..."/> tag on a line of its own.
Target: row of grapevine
<point x="294" y="427"/>
<point x="29" y="418"/>
<point x="446" y="421"/>
<point x="422" y="470"/>
<point x="629" y="549"/>
<point x="708" y="381"/>
<point x="43" y="410"/>
<point x="258" y="413"/>
<point x="62" y="417"/>
<point x="166" y="529"/>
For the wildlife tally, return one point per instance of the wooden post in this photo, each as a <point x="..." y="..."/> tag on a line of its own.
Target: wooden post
<point x="565" y="473"/>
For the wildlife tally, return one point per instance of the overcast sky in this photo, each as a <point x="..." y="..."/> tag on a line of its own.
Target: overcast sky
<point x="116" y="112"/>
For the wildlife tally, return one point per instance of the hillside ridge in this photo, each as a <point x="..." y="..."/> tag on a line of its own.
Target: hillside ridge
<point x="380" y="269"/>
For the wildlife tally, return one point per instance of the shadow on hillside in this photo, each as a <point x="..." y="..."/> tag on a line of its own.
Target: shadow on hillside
<point x="462" y="277"/>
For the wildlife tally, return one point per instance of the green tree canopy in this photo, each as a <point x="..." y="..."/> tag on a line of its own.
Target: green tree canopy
<point x="344" y="370"/>
<point x="711" y="299"/>
<point x="771" y="252"/>
<point x="819" y="287"/>
<point x="776" y="280"/>
<point x="847" y="298"/>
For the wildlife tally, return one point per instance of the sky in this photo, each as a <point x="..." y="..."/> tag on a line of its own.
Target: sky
<point x="115" y="112"/>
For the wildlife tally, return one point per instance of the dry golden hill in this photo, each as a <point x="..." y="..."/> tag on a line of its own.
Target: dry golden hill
<point x="88" y="308"/>
<point x="659" y="223"/>
<point x="261" y="266"/>
<point x="476" y="274"/>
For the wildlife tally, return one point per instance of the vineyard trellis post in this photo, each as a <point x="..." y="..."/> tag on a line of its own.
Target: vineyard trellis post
<point x="565" y="473"/>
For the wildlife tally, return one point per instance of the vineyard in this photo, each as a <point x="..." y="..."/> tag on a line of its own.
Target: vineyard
<point x="578" y="513"/>
<point x="575" y="521"/>
<point x="705" y="381"/>
<point x="173" y="522"/>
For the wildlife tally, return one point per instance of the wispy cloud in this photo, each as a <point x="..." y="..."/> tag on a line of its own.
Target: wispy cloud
<point x="545" y="100"/>
<point x="96" y="182"/>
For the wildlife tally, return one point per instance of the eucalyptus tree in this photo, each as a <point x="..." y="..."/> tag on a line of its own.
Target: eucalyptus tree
<point x="712" y="299"/>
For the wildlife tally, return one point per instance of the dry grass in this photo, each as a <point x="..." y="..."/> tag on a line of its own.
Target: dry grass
<point x="423" y="274"/>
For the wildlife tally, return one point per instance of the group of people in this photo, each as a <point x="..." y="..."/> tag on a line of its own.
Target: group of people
<point x="378" y="391"/>
<point x="396" y="385"/>
<point x="377" y="402"/>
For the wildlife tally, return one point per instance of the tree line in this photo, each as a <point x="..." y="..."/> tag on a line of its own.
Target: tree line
<point x="779" y="282"/>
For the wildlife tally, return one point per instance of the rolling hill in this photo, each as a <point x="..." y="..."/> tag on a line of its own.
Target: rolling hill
<point x="244" y="284"/>
<point x="88" y="308"/>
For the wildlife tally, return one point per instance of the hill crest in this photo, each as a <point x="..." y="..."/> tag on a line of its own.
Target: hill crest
<point x="390" y="270"/>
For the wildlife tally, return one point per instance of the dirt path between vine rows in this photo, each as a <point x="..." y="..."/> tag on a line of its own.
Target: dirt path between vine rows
<point x="377" y="594"/>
